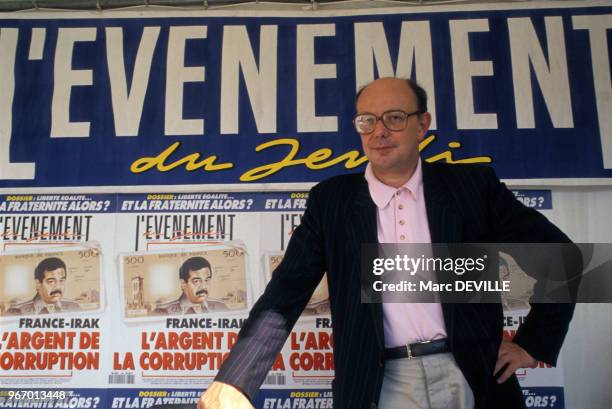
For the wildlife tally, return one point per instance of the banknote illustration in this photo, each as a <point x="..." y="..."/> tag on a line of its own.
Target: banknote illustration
<point x="318" y="303"/>
<point x="50" y="281"/>
<point x="208" y="279"/>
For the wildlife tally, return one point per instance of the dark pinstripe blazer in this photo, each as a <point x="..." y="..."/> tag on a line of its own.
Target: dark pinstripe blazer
<point x="464" y="204"/>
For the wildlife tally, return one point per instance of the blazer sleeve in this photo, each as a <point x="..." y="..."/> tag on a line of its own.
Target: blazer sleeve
<point x="272" y="317"/>
<point x="542" y="332"/>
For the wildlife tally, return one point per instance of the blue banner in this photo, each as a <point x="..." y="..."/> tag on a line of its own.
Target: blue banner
<point x="212" y="202"/>
<point x="79" y="398"/>
<point x="544" y="397"/>
<point x="537" y="199"/>
<point x="536" y="397"/>
<point x="216" y="100"/>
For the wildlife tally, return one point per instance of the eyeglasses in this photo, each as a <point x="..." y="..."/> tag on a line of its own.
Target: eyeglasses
<point x="395" y="120"/>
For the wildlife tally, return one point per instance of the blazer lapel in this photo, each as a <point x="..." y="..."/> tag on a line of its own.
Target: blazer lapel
<point x="364" y="230"/>
<point x="444" y="224"/>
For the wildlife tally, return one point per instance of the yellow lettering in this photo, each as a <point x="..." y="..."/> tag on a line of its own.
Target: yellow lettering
<point x="352" y="159"/>
<point x="316" y="160"/>
<point x="319" y="159"/>
<point x="190" y="161"/>
<point x="318" y="156"/>
<point x="426" y="142"/>
<point x="447" y="155"/>
<point x="270" y="169"/>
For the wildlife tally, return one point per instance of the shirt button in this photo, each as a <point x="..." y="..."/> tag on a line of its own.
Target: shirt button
<point x="398" y="193"/>
<point x="402" y="237"/>
<point x="401" y="222"/>
<point x="401" y="207"/>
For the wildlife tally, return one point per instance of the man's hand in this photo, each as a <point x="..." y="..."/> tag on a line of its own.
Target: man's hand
<point x="514" y="357"/>
<point x="223" y="396"/>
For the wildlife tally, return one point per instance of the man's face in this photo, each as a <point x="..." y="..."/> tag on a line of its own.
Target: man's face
<point x="197" y="286"/>
<point x="392" y="152"/>
<point x="51" y="288"/>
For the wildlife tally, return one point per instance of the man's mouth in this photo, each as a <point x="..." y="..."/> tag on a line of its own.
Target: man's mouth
<point x="201" y="293"/>
<point x="383" y="148"/>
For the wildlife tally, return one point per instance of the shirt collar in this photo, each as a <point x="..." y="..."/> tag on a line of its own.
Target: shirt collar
<point x="382" y="194"/>
<point x="39" y="305"/>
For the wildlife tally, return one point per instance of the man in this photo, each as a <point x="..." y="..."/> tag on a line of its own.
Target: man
<point x="50" y="277"/>
<point x="455" y="349"/>
<point x="195" y="275"/>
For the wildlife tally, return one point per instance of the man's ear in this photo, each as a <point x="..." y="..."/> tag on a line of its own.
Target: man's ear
<point x="424" y="123"/>
<point x="183" y="284"/>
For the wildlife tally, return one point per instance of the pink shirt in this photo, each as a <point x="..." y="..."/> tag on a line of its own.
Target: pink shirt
<point x="402" y="218"/>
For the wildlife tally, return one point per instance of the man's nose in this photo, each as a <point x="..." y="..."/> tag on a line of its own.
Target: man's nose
<point x="379" y="129"/>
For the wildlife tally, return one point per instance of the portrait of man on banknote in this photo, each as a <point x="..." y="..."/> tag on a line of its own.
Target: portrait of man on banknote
<point x="195" y="276"/>
<point x="50" y="279"/>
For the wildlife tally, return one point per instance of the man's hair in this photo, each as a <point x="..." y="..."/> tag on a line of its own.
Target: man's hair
<point x="192" y="264"/>
<point x="419" y="92"/>
<point x="49" y="264"/>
